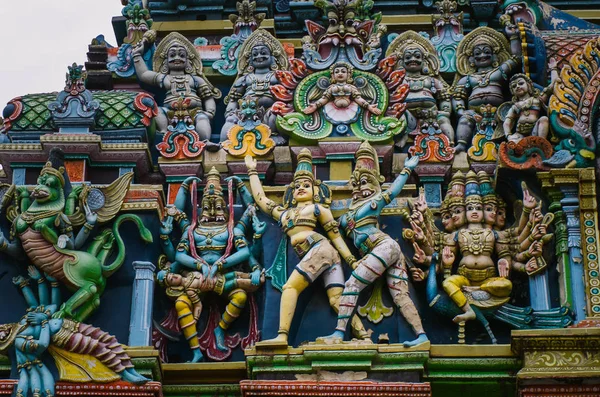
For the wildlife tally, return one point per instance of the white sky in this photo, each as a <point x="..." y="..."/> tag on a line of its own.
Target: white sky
<point x="39" y="38"/>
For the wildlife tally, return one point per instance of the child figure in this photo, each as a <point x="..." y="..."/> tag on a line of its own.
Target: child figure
<point x="526" y="111"/>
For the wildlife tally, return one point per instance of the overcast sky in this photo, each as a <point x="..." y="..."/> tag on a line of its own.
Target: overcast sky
<point x="39" y="38"/>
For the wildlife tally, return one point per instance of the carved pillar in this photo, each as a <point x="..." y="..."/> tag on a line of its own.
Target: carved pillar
<point x="18" y="176"/>
<point x="558" y="362"/>
<point x="580" y="208"/>
<point x="561" y="247"/>
<point x="140" y="325"/>
<point x="570" y="205"/>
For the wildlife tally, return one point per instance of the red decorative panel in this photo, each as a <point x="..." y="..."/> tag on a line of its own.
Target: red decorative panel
<point x="561" y="391"/>
<point x="120" y="388"/>
<point x="251" y="388"/>
<point x="75" y="170"/>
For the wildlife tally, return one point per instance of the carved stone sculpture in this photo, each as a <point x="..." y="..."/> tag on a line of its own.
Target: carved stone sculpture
<point x="484" y="64"/>
<point x="306" y="205"/>
<point x="43" y="223"/>
<point x="380" y="253"/>
<point x="429" y="97"/>
<point x="38" y="333"/>
<point x="211" y="243"/>
<point x="178" y="71"/>
<point x="261" y="56"/>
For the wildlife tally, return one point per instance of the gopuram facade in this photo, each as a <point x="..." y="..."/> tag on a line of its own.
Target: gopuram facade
<point x="309" y="198"/>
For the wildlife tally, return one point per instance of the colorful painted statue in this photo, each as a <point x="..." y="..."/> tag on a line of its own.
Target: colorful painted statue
<point x="178" y="71"/>
<point x="305" y="206"/>
<point x="524" y="118"/>
<point x="341" y="99"/>
<point x="481" y="288"/>
<point x="429" y="97"/>
<point x="138" y="22"/>
<point x="484" y="64"/>
<point x="249" y="136"/>
<point x="345" y="38"/>
<point x="38" y="333"/>
<point x="188" y="289"/>
<point x="542" y="15"/>
<point x="205" y="253"/>
<point x="43" y="222"/>
<point x="570" y="110"/>
<point x="380" y="253"/>
<point x="260" y="57"/>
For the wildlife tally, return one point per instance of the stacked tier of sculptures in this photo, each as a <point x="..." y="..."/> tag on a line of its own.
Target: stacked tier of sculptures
<point x="344" y="86"/>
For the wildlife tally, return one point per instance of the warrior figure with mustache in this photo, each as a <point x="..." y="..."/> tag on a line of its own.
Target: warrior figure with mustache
<point x="429" y="97"/>
<point x="485" y="64"/>
<point x="260" y="57"/>
<point x="178" y="71"/>
<point x="381" y="255"/>
<point x="204" y="249"/>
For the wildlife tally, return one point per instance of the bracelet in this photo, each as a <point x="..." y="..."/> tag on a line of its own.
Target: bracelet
<point x="41" y="280"/>
<point x="198" y="265"/>
<point x="164" y="237"/>
<point x="257" y="236"/>
<point x="88" y="227"/>
<point x="220" y="266"/>
<point x="252" y="171"/>
<point x="405" y="171"/>
<point x="350" y="259"/>
<point x="526" y="210"/>
<point x="531" y="238"/>
<point x="255" y="268"/>
<point x="54" y="284"/>
<point x="4" y="245"/>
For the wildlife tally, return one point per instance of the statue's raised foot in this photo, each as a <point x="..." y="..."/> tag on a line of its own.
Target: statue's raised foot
<point x="421" y="338"/>
<point x="220" y="339"/>
<point x="131" y="375"/>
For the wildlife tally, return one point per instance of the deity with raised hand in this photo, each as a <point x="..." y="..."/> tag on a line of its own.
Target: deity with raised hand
<point x="260" y="57"/>
<point x="381" y="255"/>
<point x="206" y="251"/>
<point x="525" y="116"/>
<point x="178" y="71"/>
<point x="305" y="206"/>
<point x="342" y="99"/>
<point x="429" y="97"/>
<point x="484" y="64"/>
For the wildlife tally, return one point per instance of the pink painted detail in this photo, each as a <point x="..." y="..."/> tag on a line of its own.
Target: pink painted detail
<point x="148" y="112"/>
<point x="253" y="332"/>
<point x="208" y="340"/>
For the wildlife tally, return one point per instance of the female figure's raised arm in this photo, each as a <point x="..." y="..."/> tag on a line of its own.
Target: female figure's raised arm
<point x="267" y="206"/>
